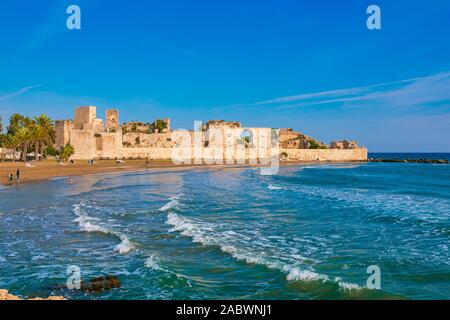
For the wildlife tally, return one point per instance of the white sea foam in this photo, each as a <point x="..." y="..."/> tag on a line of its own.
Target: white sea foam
<point x="2" y="259"/>
<point x="91" y="224"/>
<point x="347" y="285"/>
<point x="272" y="187"/>
<point x="206" y="234"/>
<point x="295" y="274"/>
<point x="153" y="263"/>
<point x="171" y="204"/>
<point x="125" y="245"/>
<point x="87" y="223"/>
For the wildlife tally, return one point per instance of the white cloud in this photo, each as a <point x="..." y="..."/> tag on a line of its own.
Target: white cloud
<point x="409" y="92"/>
<point x="17" y="93"/>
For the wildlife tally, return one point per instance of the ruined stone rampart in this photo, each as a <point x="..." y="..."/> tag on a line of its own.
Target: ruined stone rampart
<point x="218" y="141"/>
<point x="151" y="153"/>
<point x="337" y="155"/>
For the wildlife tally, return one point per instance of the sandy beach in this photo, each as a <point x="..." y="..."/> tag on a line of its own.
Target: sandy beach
<point x="48" y="169"/>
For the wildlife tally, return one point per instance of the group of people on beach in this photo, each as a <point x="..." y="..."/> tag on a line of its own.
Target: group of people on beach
<point x="10" y="176"/>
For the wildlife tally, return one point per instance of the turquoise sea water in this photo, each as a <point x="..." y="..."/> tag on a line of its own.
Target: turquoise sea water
<point x="309" y="232"/>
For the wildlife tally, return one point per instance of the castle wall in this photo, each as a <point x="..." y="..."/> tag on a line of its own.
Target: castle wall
<point x="111" y="146"/>
<point x="144" y="140"/>
<point x="96" y="125"/>
<point x="62" y="130"/>
<point x="151" y="153"/>
<point x="336" y="155"/>
<point x="218" y="142"/>
<point x="84" y="143"/>
<point x="136" y="127"/>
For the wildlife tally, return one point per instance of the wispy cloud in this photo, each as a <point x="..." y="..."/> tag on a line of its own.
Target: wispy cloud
<point x="409" y="92"/>
<point x="17" y="93"/>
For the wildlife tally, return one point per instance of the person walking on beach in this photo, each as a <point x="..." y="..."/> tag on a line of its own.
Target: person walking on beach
<point x="146" y="162"/>
<point x="18" y="175"/>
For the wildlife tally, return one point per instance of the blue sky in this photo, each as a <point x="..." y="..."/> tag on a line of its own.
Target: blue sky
<point x="309" y="65"/>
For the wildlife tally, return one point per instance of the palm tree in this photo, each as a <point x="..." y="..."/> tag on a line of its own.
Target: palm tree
<point x="43" y="134"/>
<point x="24" y="137"/>
<point x="38" y="136"/>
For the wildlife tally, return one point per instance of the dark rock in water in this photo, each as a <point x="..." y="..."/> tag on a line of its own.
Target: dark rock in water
<point x="432" y="161"/>
<point x="101" y="283"/>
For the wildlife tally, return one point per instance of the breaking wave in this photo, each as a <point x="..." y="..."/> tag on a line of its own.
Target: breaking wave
<point x="153" y="263"/>
<point x="171" y="204"/>
<point x="200" y="233"/>
<point x="91" y="224"/>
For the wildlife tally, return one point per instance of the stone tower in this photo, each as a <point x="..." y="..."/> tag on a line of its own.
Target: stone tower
<point x="84" y="117"/>
<point x="112" y="120"/>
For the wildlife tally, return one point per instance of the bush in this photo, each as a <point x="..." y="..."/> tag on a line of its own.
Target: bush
<point x="313" y="144"/>
<point x="51" y="151"/>
<point x="159" y="125"/>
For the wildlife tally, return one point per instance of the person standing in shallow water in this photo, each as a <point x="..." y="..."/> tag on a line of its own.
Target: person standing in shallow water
<point x="10" y="178"/>
<point x="18" y="175"/>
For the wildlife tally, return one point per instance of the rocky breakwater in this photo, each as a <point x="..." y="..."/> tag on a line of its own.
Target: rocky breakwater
<point x="432" y="161"/>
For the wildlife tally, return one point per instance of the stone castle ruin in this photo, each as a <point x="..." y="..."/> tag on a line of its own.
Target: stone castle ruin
<point x="94" y="139"/>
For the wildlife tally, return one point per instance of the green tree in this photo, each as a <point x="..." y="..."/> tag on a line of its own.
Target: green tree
<point x="51" y="151"/>
<point x="314" y="144"/>
<point x="11" y="142"/>
<point x="66" y="152"/>
<point x="159" y="125"/>
<point x="17" y="121"/>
